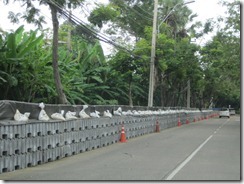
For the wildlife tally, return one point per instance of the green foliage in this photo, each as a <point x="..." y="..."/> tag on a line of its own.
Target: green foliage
<point x="87" y="76"/>
<point x="125" y="78"/>
<point x="84" y="76"/>
<point x="26" y="70"/>
<point x="103" y="14"/>
<point x="221" y="58"/>
<point x="123" y="15"/>
<point x="19" y="65"/>
<point x="222" y="61"/>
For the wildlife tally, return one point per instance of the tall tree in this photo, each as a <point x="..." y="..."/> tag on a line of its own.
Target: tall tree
<point x="221" y="60"/>
<point x="61" y="96"/>
<point x="133" y="19"/>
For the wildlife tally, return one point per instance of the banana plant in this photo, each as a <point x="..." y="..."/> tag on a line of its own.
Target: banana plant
<point x="14" y="47"/>
<point x="83" y="73"/>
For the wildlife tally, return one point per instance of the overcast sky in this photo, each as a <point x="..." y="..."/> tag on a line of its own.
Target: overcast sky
<point x="204" y="8"/>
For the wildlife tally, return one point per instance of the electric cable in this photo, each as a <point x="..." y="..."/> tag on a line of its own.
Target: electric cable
<point x="138" y="13"/>
<point x="144" y="11"/>
<point x="90" y="31"/>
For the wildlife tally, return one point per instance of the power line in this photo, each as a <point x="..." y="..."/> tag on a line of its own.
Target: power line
<point x="75" y="20"/>
<point x="138" y="13"/>
<point x="80" y="23"/>
<point x="136" y="22"/>
<point x="144" y="11"/>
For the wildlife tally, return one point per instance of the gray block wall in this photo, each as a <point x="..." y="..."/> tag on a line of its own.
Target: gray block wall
<point x="28" y="144"/>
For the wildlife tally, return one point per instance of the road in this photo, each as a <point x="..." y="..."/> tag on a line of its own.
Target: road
<point x="204" y="150"/>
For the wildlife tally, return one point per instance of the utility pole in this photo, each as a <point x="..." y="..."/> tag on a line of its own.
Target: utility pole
<point x="188" y="94"/>
<point x="154" y="35"/>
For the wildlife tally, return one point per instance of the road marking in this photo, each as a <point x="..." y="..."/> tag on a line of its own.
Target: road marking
<point x="169" y="177"/>
<point x="177" y="169"/>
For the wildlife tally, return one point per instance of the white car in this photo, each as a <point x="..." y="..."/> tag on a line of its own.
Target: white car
<point x="224" y="112"/>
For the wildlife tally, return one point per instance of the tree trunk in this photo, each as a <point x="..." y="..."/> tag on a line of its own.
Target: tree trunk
<point x="61" y="96"/>
<point x="69" y="33"/>
<point x="162" y="90"/>
<point x="178" y="96"/>
<point x="130" y="94"/>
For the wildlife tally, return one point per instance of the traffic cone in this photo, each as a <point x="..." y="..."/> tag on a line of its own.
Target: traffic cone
<point x="179" y="123"/>
<point x="122" y="136"/>
<point x="157" y="126"/>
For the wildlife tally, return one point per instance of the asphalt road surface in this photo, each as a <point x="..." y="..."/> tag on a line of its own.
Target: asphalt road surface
<point x="204" y="150"/>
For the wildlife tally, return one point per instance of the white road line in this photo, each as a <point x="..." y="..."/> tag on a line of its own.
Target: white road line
<point x="169" y="177"/>
<point x="177" y="169"/>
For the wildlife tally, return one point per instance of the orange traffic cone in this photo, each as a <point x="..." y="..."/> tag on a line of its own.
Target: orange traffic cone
<point x="157" y="126"/>
<point x="179" y="123"/>
<point x="122" y="136"/>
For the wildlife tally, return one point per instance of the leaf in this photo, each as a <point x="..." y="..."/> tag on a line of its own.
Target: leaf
<point x="11" y="45"/>
<point x="29" y="47"/>
<point x="98" y="79"/>
<point x="13" y="81"/>
<point x="2" y="79"/>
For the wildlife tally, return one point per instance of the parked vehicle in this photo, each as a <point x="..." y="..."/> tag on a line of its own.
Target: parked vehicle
<point x="224" y="112"/>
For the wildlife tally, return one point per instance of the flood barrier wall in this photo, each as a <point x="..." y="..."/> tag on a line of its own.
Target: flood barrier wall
<point x="27" y="144"/>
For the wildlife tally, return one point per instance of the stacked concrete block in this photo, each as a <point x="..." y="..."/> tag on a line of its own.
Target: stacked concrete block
<point x="6" y="164"/>
<point x="162" y="122"/>
<point x="18" y="162"/>
<point x="29" y="144"/>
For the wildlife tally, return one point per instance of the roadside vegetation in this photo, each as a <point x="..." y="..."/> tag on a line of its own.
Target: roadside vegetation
<point x="70" y="67"/>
